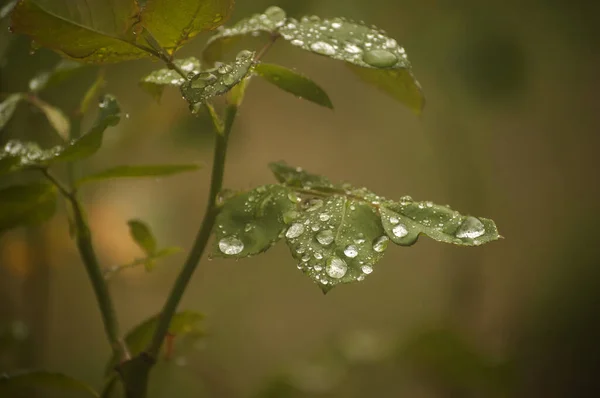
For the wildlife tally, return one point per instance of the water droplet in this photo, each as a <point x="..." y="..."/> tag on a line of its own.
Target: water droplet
<point x="248" y="227"/>
<point x="244" y="55"/>
<point x="231" y="245"/>
<point x="294" y="231"/>
<point x="293" y="197"/>
<point x="325" y="237"/>
<point x="400" y="231"/>
<point x="314" y="204"/>
<point x="297" y="42"/>
<point x="380" y="244"/>
<point x="224" y="68"/>
<point x="336" y="25"/>
<point x="351" y="251"/>
<point x="322" y="47"/>
<point x="391" y="43"/>
<point x="315" y="227"/>
<point x="324" y="216"/>
<point x="352" y="48"/>
<point x="336" y="268"/>
<point x="318" y="267"/>
<point x="380" y="58"/>
<point x="275" y="14"/>
<point x="394" y="220"/>
<point x="318" y="255"/>
<point x="471" y="228"/>
<point x="366" y="269"/>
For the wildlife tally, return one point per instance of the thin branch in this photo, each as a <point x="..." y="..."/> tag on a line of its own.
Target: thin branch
<point x="263" y="51"/>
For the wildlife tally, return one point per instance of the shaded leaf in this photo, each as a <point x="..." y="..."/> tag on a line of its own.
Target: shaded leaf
<point x="25" y="205"/>
<point x="155" y="82"/>
<point x="183" y="323"/>
<point x="7" y="8"/>
<point x="92" y="93"/>
<point x="63" y="70"/>
<point x="18" y="155"/>
<point x="57" y="382"/>
<point x="251" y="222"/>
<point x="298" y="177"/>
<point x="8" y="107"/>
<point x="268" y="22"/>
<point x="91" y="31"/>
<point x="142" y="235"/>
<point x="376" y="58"/>
<point x="157" y="170"/>
<point x="57" y="119"/>
<point x="219" y="80"/>
<point x="174" y="24"/>
<point x="293" y="83"/>
<point x="148" y="262"/>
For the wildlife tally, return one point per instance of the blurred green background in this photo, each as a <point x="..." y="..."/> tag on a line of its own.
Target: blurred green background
<point x="509" y="132"/>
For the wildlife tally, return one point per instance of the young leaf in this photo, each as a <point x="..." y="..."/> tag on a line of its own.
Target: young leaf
<point x="294" y="83"/>
<point x="8" y="107"/>
<point x="251" y="222"/>
<point x="57" y="119"/>
<point x="91" y="31"/>
<point x="159" y="170"/>
<point x="142" y="236"/>
<point x="26" y="205"/>
<point x="298" y="177"/>
<point x="375" y="57"/>
<point x="174" y="24"/>
<point x="182" y="323"/>
<point x="92" y="93"/>
<point x="219" y="80"/>
<point x="15" y="384"/>
<point x="268" y="22"/>
<point x="63" y="70"/>
<point x="148" y="262"/>
<point x="155" y="82"/>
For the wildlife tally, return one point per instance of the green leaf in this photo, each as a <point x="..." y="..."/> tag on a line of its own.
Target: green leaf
<point x="92" y="93"/>
<point x="376" y="58"/>
<point x="16" y="383"/>
<point x="57" y="119"/>
<point x="148" y="262"/>
<point x="8" y="107"/>
<point x="157" y="170"/>
<point x="268" y="22"/>
<point x="251" y="222"/>
<point x="174" y="24"/>
<point x="91" y="31"/>
<point x="294" y="83"/>
<point x="219" y="80"/>
<point x="336" y="240"/>
<point x="62" y="71"/>
<point x="142" y="235"/>
<point x="90" y="143"/>
<point x="26" y="205"/>
<point x="298" y="177"/>
<point x="185" y="323"/>
<point x="405" y="220"/>
<point x="155" y="82"/>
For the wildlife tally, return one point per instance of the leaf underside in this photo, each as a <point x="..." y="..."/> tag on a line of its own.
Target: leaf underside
<point x="336" y="232"/>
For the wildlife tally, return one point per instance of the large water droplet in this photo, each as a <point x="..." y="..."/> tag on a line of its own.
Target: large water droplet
<point x="294" y="231"/>
<point x="366" y="269"/>
<point x="471" y="227"/>
<point x="244" y="55"/>
<point x="336" y="268"/>
<point x="290" y="216"/>
<point x="322" y="47"/>
<point x="351" y="251"/>
<point x="224" y="68"/>
<point x="380" y="58"/>
<point x="231" y="245"/>
<point x="275" y="14"/>
<point x="325" y="237"/>
<point x="297" y="42"/>
<point x="380" y="244"/>
<point x="324" y="217"/>
<point x="400" y="231"/>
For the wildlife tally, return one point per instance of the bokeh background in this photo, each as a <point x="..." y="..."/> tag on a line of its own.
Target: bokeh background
<point x="509" y="132"/>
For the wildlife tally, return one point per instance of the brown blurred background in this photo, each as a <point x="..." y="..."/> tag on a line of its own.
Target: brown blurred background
<point x="509" y="132"/>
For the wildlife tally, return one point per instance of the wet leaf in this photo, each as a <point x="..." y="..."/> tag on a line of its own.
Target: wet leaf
<point x="57" y="119"/>
<point x="294" y="83"/>
<point x="26" y="205"/>
<point x="92" y="93"/>
<point x="226" y="38"/>
<point x="91" y="31"/>
<point x="153" y="171"/>
<point x="219" y="80"/>
<point x="16" y="383"/>
<point x="8" y="107"/>
<point x="298" y="177"/>
<point x="174" y="24"/>
<point x="251" y="222"/>
<point x="185" y="323"/>
<point x="142" y="235"/>
<point x="155" y="82"/>
<point x="375" y="57"/>
<point x="62" y="71"/>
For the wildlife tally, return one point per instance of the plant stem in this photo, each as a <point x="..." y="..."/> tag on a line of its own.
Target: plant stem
<point x="92" y="266"/>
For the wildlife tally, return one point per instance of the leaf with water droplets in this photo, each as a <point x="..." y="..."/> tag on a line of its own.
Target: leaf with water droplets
<point x="375" y="57"/>
<point x="173" y="24"/>
<point x="267" y="22"/>
<point x="8" y="107"/>
<point x="219" y="80"/>
<point x="336" y="240"/>
<point x="404" y="221"/>
<point x="26" y="205"/>
<point x="20" y="384"/>
<point x="61" y="71"/>
<point x="251" y="222"/>
<point x="155" y="82"/>
<point x="155" y="170"/>
<point x="294" y="83"/>
<point x="298" y="177"/>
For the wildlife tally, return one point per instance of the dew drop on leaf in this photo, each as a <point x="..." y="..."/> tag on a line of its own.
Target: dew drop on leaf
<point x="294" y="231"/>
<point x="336" y="268"/>
<point x="400" y="230"/>
<point x="325" y="237"/>
<point x="322" y="47"/>
<point x="380" y="58"/>
<point x="471" y="228"/>
<point x="366" y="269"/>
<point x="231" y="245"/>
<point x="380" y="244"/>
<point x="350" y="251"/>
